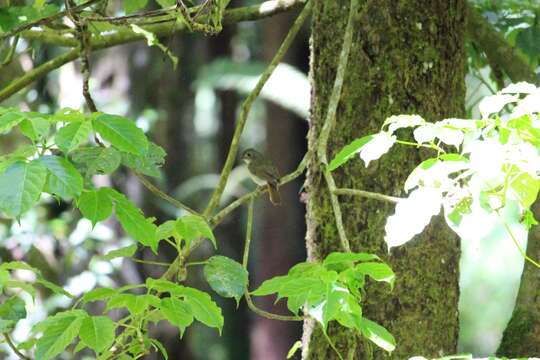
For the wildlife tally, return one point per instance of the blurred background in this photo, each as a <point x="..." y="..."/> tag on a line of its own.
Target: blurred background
<point x="191" y="113"/>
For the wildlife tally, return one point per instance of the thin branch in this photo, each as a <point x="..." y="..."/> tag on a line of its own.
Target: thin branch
<point x="14" y="348"/>
<point x="163" y="195"/>
<point x="151" y="262"/>
<point x="251" y="304"/>
<point x="330" y="121"/>
<point x="127" y="35"/>
<point x="246" y="107"/>
<point x="368" y="195"/>
<point x="10" y="54"/>
<point x="497" y="49"/>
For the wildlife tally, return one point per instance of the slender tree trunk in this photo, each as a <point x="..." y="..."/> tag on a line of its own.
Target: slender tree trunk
<point x="407" y="57"/>
<point x="522" y="335"/>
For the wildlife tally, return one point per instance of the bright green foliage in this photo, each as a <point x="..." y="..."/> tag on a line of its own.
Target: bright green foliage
<point x="73" y="135"/>
<point x="127" y="251"/>
<point x="35" y="128"/>
<point x="348" y="151"/>
<point x="63" y="180"/>
<point x="178" y="312"/>
<point x="191" y="227"/>
<point x="96" y="160"/>
<point x="226" y="277"/>
<point x="485" y="165"/>
<point x="122" y="133"/>
<point x="20" y="187"/>
<point x="136" y="304"/>
<point x="9" y="119"/>
<point x="166" y="3"/>
<point x="97" y="332"/>
<point x="13" y="16"/>
<point x="133" y="220"/>
<point x="98" y="294"/>
<point x="11" y="311"/>
<point x="58" y="332"/>
<point x="134" y="5"/>
<point x="331" y="291"/>
<point x="95" y="205"/>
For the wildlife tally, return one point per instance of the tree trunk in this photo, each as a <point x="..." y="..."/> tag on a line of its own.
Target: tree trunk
<point x="522" y="335"/>
<point x="407" y="57"/>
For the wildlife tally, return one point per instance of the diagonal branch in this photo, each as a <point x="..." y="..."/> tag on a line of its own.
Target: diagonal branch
<point x="497" y="49"/>
<point x="246" y="107"/>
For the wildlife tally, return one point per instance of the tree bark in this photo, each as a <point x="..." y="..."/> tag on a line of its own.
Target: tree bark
<point x="407" y="57"/>
<point x="521" y="337"/>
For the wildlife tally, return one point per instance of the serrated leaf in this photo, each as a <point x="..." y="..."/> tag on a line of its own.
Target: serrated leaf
<point x="177" y="312"/>
<point x="9" y="120"/>
<point x="35" y="128"/>
<point x="127" y="251"/>
<point x="20" y="187"/>
<point x="53" y="287"/>
<point x="167" y="230"/>
<point x="149" y="163"/>
<point x="95" y="205"/>
<point x="191" y="227"/>
<point x="98" y="294"/>
<point x="97" y="332"/>
<point x="73" y="135"/>
<point x="122" y="133"/>
<point x="133" y="221"/>
<point x="58" y="333"/>
<point x="347" y="258"/>
<point x="203" y="308"/>
<point x="377" y="334"/>
<point x="64" y="180"/>
<point x="412" y="215"/>
<point x="13" y="309"/>
<point x="348" y="151"/>
<point x="97" y="160"/>
<point x="136" y="304"/>
<point x="525" y="187"/>
<point x="226" y="277"/>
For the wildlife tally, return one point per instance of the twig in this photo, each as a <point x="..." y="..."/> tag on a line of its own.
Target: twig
<point x="330" y="121"/>
<point x="246" y="107"/>
<point x="520" y="249"/>
<point x="10" y="54"/>
<point x="163" y="195"/>
<point x="14" y="348"/>
<point x="251" y="304"/>
<point x="127" y="35"/>
<point x="368" y="194"/>
<point x="150" y="262"/>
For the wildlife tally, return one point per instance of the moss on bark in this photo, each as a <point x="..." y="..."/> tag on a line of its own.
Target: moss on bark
<point x="407" y="57"/>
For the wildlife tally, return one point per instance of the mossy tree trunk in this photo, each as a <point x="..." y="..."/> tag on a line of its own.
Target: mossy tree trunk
<point x="407" y="57"/>
<point x="522" y="335"/>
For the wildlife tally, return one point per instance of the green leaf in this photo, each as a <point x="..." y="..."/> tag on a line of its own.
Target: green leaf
<point x="122" y="133"/>
<point x="73" y="135"/>
<point x="97" y="160"/>
<point x="297" y="345"/>
<point x="20" y="187"/>
<point x="191" y="227"/>
<point x="167" y="230"/>
<point x="528" y="219"/>
<point x="149" y="163"/>
<point x="341" y="259"/>
<point x="348" y="151"/>
<point x="58" y="332"/>
<point x="396" y="122"/>
<point x="9" y="120"/>
<point x="64" y="180"/>
<point x="203" y="308"/>
<point x="226" y="277"/>
<point x="95" y="205"/>
<point x="526" y="189"/>
<point x="136" y="304"/>
<point x="98" y="294"/>
<point x="177" y="312"/>
<point x="133" y="220"/>
<point x="166" y="3"/>
<point x="13" y="309"/>
<point x="127" y="251"/>
<point x="18" y="265"/>
<point x="13" y="16"/>
<point x="97" y="332"/>
<point x="377" y="334"/>
<point x="134" y="5"/>
<point x="53" y="287"/>
<point x="159" y="346"/>
<point x="377" y="271"/>
<point x="35" y="128"/>
<point x="161" y="285"/>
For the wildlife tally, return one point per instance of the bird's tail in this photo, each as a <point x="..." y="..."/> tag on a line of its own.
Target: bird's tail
<point x="273" y="192"/>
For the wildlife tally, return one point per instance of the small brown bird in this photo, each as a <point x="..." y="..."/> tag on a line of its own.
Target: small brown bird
<point x="263" y="172"/>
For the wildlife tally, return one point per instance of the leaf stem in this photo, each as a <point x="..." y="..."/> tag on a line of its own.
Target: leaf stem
<point x="332" y="345"/>
<point x="150" y="262"/>
<point x="520" y="249"/>
<point x="368" y="194"/>
<point x="14" y="348"/>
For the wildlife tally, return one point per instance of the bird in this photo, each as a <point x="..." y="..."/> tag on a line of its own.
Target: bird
<point x="263" y="172"/>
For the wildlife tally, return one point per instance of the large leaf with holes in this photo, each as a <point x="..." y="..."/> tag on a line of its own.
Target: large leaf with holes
<point x="20" y="187"/>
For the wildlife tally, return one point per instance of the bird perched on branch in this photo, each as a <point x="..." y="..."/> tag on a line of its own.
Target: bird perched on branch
<point x="263" y="172"/>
